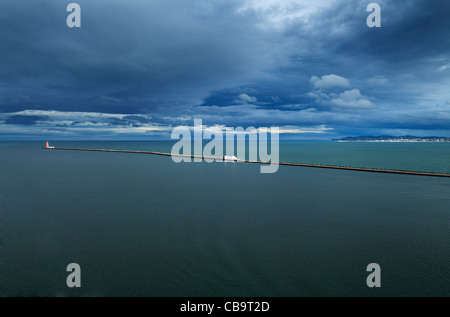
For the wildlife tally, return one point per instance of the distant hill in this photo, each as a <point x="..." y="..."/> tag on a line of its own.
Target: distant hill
<point x="390" y="138"/>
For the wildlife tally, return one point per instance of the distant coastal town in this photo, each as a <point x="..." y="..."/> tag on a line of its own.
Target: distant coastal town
<point x="390" y="138"/>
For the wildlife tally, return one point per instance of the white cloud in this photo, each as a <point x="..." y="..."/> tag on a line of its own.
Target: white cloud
<point x="329" y="81"/>
<point x="279" y="13"/>
<point x="319" y="96"/>
<point x="352" y="99"/>
<point x="444" y="67"/>
<point x="244" y="98"/>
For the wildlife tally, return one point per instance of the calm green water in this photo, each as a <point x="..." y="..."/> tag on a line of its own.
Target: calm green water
<point x="141" y="225"/>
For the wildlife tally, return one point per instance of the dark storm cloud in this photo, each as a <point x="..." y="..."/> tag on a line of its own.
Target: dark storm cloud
<point x="230" y="62"/>
<point x="127" y="57"/>
<point x="401" y="66"/>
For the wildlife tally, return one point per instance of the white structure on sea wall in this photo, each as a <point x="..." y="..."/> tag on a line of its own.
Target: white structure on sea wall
<point x="229" y="158"/>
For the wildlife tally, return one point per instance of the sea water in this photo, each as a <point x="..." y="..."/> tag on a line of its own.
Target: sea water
<point x="142" y="225"/>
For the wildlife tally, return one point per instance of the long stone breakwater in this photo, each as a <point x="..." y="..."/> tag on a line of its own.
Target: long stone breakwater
<point x="361" y="169"/>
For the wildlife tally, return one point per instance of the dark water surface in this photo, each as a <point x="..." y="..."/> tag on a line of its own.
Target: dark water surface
<point x="142" y="225"/>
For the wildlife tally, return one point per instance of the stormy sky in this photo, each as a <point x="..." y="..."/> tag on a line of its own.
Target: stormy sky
<point x="136" y="69"/>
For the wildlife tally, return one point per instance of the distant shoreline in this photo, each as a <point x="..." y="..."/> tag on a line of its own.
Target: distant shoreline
<point x="394" y="139"/>
<point x="388" y="141"/>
